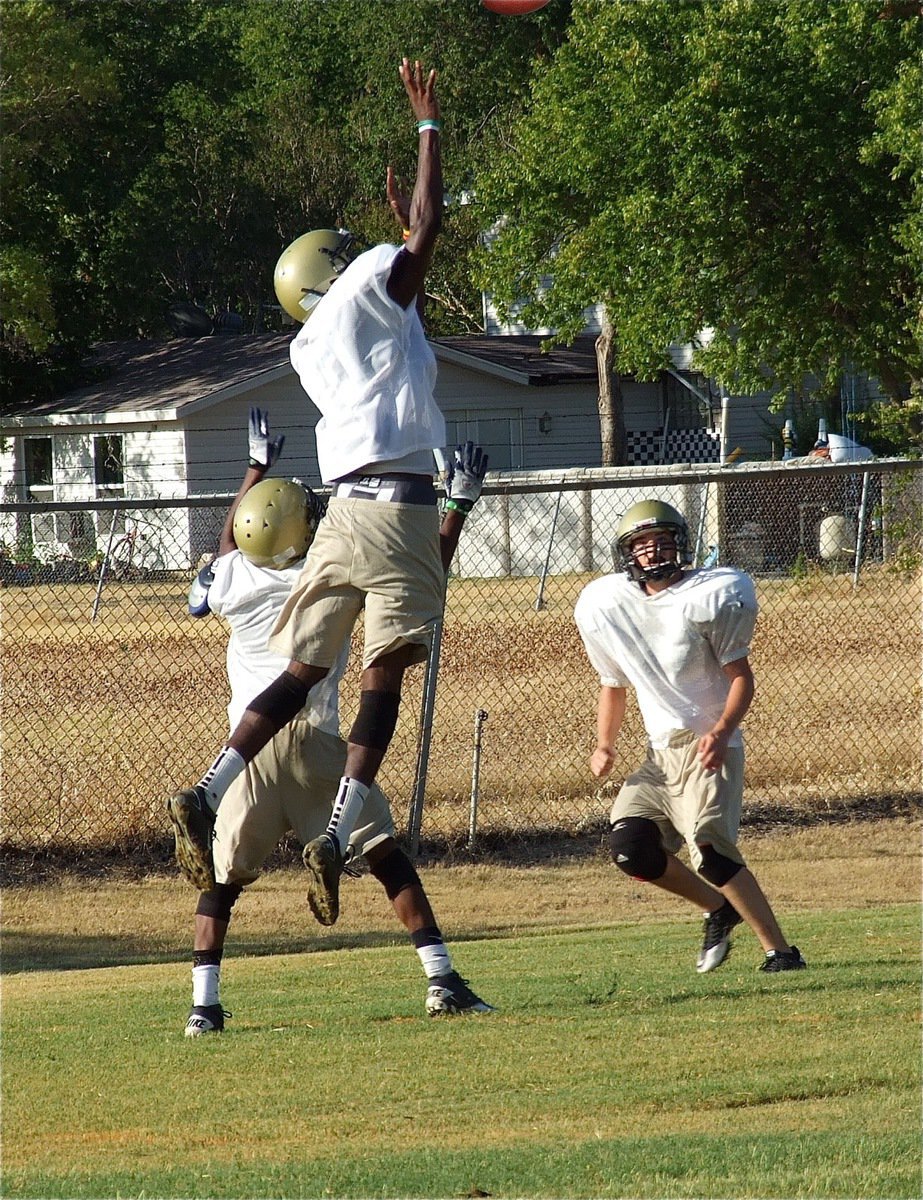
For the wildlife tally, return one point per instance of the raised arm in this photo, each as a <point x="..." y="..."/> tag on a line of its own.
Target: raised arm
<point x="425" y="217"/>
<point x="264" y="451"/>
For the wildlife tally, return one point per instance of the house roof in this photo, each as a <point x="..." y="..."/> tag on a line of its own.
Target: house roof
<point x="166" y="378"/>
<point x="148" y="376"/>
<point x="519" y="357"/>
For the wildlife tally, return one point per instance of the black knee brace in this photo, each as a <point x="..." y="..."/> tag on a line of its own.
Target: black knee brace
<point x="637" y="849"/>
<point x="716" y="868"/>
<point x="395" y="872"/>
<point x="376" y="720"/>
<point x="282" y="701"/>
<point x="219" y="901"/>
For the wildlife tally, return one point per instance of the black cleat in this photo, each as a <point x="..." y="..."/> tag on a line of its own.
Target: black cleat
<point x="716" y="945"/>
<point x="450" y="995"/>
<point x="194" y="832"/>
<point x="205" y="1018"/>
<point x="784" y="960"/>
<point x="324" y="863"/>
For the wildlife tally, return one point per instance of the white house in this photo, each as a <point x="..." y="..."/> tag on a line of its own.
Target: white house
<point x="169" y="420"/>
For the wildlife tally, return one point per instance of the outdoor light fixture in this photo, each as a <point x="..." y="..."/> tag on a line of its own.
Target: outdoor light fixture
<point x="544" y="423"/>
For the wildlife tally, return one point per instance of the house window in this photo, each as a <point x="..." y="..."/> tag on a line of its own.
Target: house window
<point x="498" y="432"/>
<point x="109" y="473"/>
<point x="108" y="464"/>
<point x="682" y="408"/>
<point x="38" y="469"/>
<point x="38" y="462"/>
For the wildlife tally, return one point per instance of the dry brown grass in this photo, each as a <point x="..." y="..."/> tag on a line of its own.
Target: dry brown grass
<point x="102" y="720"/>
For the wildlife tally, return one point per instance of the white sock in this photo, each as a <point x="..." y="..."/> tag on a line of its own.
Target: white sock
<point x="220" y="775"/>
<point x="346" y="809"/>
<point x="435" y="960"/>
<point x="205" y="981"/>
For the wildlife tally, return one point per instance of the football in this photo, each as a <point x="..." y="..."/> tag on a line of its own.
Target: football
<point x="513" y="8"/>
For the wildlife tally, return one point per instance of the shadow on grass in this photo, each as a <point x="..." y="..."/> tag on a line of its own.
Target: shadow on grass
<point x="60" y="952"/>
<point x="27" y="952"/>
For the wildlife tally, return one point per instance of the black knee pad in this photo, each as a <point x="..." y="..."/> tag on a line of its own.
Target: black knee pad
<point x="395" y="872"/>
<point x="716" y="868"/>
<point x="637" y="849"/>
<point x="282" y="701"/>
<point x="219" y="901"/>
<point x="376" y="720"/>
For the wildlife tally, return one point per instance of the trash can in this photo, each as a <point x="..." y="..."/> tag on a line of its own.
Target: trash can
<point x="836" y="538"/>
<point x="747" y="546"/>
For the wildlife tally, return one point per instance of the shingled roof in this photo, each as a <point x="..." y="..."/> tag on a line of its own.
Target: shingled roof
<point x="149" y="376"/>
<point x="520" y="356"/>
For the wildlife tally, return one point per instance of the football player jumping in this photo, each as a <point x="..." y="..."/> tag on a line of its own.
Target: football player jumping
<point x="364" y="361"/>
<point x="289" y="784"/>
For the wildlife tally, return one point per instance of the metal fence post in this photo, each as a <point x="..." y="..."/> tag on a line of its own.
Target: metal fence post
<point x="104" y="565"/>
<point x="426" y="737"/>
<point x="860" y="535"/>
<point x="540" y="598"/>
<point x="479" y="718"/>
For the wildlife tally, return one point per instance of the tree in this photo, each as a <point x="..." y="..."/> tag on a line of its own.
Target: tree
<point x="744" y="167"/>
<point x="51" y="82"/>
<point x="199" y="137"/>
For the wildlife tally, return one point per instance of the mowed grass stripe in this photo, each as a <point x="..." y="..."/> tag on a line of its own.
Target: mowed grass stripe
<point x="611" y="1069"/>
<point x="809" y="1165"/>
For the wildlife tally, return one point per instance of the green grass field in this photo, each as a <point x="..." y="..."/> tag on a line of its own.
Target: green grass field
<point x="610" y="1069"/>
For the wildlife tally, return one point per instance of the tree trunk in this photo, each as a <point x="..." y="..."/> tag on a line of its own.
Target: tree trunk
<point x="610" y="403"/>
<point x="896" y="386"/>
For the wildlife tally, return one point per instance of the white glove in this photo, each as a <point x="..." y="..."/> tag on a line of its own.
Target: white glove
<point x="264" y="450"/>
<point x="464" y="484"/>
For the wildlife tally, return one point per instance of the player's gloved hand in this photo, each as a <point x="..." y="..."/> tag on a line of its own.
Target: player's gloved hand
<point x="264" y="450"/>
<point x="464" y="484"/>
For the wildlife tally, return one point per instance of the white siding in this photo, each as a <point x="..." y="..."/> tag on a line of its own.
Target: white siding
<point x="216" y="437"/>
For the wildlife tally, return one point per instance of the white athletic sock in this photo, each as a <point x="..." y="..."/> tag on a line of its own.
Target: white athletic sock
<point x="435" y="960"/>
<point x="220" y="775"/>
<point x="205" y="981"/>
<point x="346" y="809"/>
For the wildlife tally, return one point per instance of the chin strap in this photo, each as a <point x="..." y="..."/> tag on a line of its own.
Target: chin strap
<point x="653" y="574"/>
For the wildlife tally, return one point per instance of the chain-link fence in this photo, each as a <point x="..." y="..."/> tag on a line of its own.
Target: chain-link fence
<point x="113" y="696"/>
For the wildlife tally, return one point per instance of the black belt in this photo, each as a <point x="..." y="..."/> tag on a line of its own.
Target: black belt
<point x="396" y="487"/>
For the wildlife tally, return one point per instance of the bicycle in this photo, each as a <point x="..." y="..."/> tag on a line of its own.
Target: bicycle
<point x="135" y="556"/>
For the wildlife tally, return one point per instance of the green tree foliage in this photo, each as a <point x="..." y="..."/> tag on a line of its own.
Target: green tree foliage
<point x="164" y="150"/>
<point x="52" y="82"/>
<point x="325" y="77"/>
<point x="747" y="167"/>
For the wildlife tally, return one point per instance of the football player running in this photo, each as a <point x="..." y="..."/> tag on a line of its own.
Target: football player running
<point x="681" y="638"/>
<point x="364" y="361"/>
<point x="288" y="785"/>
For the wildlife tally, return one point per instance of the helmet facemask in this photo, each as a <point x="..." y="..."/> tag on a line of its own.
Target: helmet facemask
<point x="664" y="567"/>
<point x="648" y="518"/>
<point x="340" y="256"/>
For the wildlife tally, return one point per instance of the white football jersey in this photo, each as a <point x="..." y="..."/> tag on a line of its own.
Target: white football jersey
<point x="366" y="364"/>
<point x="670" y="646"/>
<point x="250" y="599"/>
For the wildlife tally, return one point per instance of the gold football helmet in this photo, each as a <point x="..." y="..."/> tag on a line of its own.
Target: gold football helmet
<point x="276" y="521"/>
<point x="651" y="516"/>
<point x="308" y="266"/>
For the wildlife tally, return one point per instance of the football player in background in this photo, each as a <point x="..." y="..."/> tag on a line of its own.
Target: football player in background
<point x="289" y="784"/>
<point x="681" y="639"/>
<point x="364" y="361"/>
